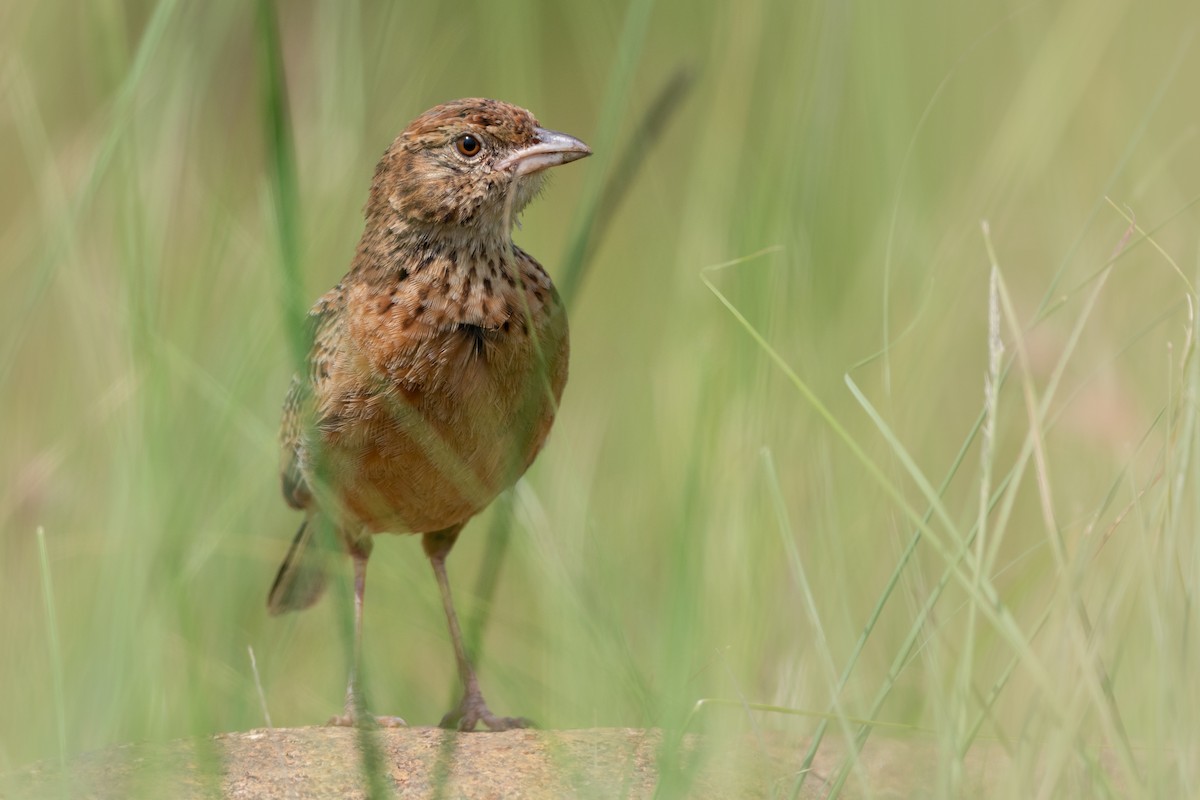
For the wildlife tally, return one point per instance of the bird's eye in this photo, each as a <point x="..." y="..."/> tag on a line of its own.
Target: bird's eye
<point x="468" y="145"/>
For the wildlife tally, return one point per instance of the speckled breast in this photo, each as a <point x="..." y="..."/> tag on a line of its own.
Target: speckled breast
<point x="438" y="427"/>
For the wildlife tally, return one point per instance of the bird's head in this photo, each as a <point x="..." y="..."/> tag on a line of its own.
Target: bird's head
<point x="471" y="163"/>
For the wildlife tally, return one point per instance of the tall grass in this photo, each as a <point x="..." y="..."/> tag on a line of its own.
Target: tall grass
<point x="885" y="468"/>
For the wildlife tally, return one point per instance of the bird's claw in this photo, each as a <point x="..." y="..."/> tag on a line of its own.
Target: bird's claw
<point x="472" y="710"/>
<point x="352" y="719"/>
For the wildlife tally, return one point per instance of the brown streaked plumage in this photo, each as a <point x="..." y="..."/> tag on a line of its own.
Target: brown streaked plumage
<point x="437" y="362"/>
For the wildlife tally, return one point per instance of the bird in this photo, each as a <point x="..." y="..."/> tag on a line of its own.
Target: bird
<point x="435" y="370"/>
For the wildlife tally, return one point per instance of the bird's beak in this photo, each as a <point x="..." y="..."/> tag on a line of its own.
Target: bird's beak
<point x="551" y="149"/>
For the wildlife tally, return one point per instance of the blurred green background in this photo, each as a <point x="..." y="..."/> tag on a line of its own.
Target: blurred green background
<point x="696" y="528"/>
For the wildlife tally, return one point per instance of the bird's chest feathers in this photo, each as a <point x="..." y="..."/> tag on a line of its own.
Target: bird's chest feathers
<point x="452" y="335"/>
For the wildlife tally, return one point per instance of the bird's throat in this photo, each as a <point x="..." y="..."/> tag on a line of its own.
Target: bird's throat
<point x="450" y="275"/>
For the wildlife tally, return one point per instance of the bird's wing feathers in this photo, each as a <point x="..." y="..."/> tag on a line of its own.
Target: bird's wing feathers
<point x="298" y="407"/>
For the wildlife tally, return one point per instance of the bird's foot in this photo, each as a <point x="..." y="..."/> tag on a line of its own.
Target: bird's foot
<point x="354" y="719"/>
<point x="356" y="715"/>
<point x="472" y="710"/>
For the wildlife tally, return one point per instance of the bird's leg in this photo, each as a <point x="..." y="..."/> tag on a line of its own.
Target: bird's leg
<point x="354" y="702"/>
<point x="472" y="709"/>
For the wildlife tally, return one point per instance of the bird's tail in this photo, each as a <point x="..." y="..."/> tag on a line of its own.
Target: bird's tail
<point x="301" y="577"/>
